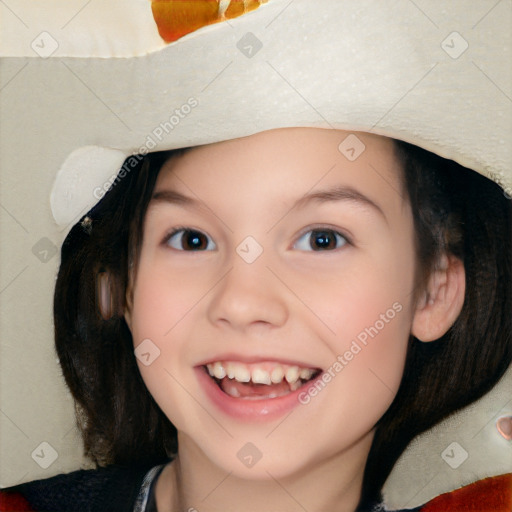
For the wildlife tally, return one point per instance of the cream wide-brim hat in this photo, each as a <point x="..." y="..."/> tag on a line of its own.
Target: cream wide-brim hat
<point x="83" y="85"/>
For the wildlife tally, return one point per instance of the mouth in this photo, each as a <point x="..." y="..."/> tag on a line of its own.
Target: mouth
<point x="258" y="381"/>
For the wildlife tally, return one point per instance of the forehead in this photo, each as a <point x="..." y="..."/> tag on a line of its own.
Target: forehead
<point x="286" y="164"/>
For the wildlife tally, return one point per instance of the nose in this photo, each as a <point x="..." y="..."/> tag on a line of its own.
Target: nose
<point x="248" y="298"/>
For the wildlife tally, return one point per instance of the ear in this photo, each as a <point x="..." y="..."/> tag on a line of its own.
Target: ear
<point x="442" y="301"/>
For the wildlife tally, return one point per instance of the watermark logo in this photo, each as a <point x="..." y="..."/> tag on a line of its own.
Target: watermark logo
<point x="174" y="120"/>
<point x="146" y="352"/>
<point x="249" y="455"/>
<point x="342" y="360"/>
<point x="249" y="250"/>
<point x="454" y="455"/>
<point x="150" y="143"/>
<point x="454" y="45"/>
<point x="45" y="455"/>
<point x="351" y="147"/>
<point x="249" y="45"/>
<point x="44" y="45"/>
<point x="44" y="250"/>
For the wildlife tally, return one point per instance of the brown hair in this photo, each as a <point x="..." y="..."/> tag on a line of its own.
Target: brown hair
<point x="119" y="421"/>
<point x="455" y="210"/>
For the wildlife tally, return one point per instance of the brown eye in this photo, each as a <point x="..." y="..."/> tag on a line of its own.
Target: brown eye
<point x="190" y="240"/>
<point x="320" y="240"/>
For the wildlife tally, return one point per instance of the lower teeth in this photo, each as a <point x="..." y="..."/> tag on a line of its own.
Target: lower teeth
<point x="230" y="388"/>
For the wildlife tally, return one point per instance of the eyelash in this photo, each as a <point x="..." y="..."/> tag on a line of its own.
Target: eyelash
<point x="324" y="229"/>
<point x="184" y="230"/>
<point x="310" y="230"/>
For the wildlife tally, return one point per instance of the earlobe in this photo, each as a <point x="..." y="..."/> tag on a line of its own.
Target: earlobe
<point x="442" y="301"/>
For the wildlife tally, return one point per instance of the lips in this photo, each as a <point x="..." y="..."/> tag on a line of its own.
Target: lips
<point x="255" y="391"/>
<point x="249" y="401"/>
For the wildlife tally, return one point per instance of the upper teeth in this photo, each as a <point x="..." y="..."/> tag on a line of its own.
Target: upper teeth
<point x="263" y="373"/>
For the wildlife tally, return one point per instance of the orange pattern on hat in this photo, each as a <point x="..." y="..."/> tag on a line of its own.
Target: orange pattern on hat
<point x="177" y="18"/>
<point x="489" y="495"/>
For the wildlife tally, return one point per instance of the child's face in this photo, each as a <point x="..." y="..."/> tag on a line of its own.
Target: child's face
<point x="331" y="290"/>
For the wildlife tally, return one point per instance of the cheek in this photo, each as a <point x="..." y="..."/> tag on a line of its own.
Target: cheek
<point x="368" y="309"/>
<point x="165" y="304"/>
<point x="379" y="346"/>
<point x="367" y="365"/>
<point x="161" y="358"/>
<point x="374" y="295"/>
<point x="162" y="298"/>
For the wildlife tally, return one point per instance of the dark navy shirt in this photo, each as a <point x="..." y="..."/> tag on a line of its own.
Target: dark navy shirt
<point x="146" y="500"/>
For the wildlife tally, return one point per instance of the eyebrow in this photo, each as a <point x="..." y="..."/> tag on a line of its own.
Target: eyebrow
<point x="173" y="197"/>
<point x="340" y="193"/>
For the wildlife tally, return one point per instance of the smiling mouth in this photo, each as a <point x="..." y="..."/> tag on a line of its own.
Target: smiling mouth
<point x="259" y="381"/>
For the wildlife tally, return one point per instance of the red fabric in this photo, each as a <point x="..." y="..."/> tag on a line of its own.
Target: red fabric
<point x="14" y="502"/>
<point x="492" y="494"/>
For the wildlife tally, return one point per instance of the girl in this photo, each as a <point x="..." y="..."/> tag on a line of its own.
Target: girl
<point x="266" y="322"/>
<point x="296" y="319"/>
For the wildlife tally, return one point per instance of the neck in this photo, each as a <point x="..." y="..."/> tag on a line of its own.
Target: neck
<point x="192" y="483"/>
